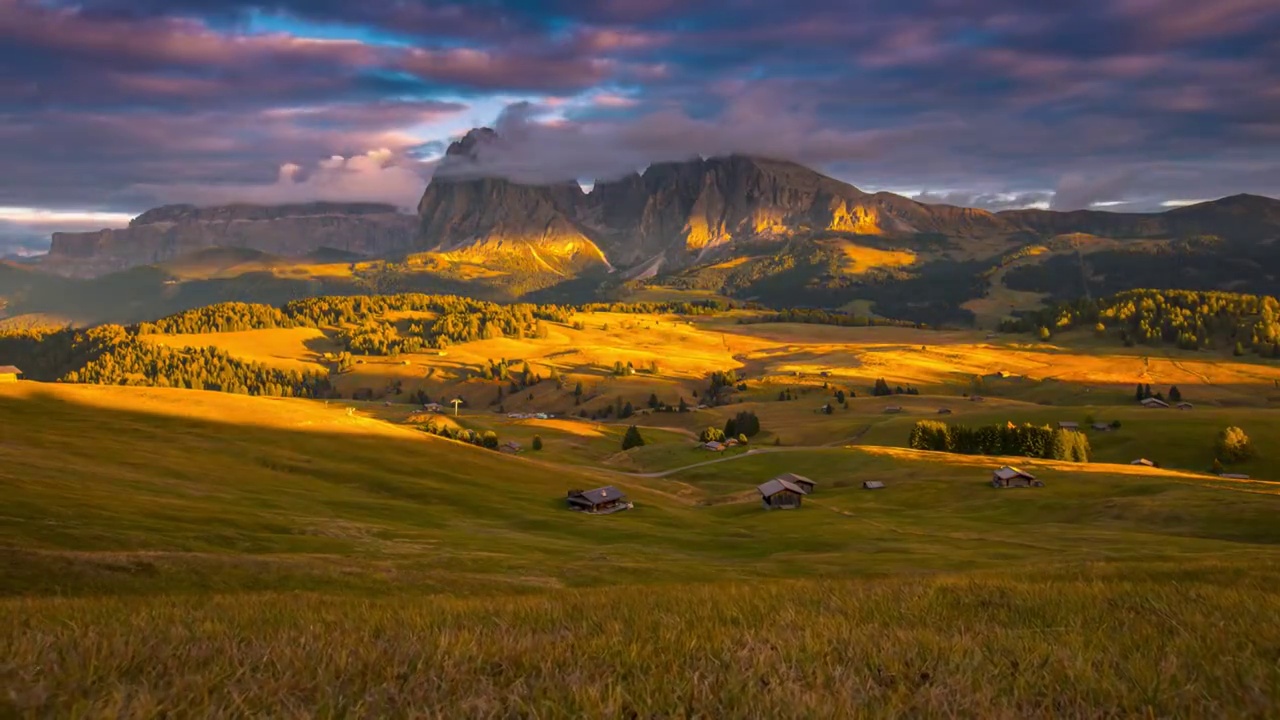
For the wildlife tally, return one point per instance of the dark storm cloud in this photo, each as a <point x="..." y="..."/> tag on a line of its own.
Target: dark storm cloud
<point x="1003" y="102"/>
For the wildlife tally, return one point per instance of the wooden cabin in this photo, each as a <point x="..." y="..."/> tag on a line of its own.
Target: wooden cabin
<point x="1185" y="406"/>
<point x="1143" y="462"/>
<point x="872" y="485"/>
<point x="713" y="446"/>
<point x="1102" y="427"/>
<point x="779" y="494"/>
<point x="1069" y="425"/>
<point x="799" y="481"/>
<point x="944" y="411"/>
<point x="893" y="409"/>
<point x="1155" y="403"/>
<point x="1007" y="477"/>
<point x="9" y="373"/>
<point x="600" y="501"/>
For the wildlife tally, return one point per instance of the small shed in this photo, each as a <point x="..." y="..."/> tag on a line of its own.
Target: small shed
<point x="713" y="446"/>
<point x="1186" y="406"/>
<point x="779" y="494"/>
<point x="1007" y="477"/>
<point x="799" y="481"/>
<point x="977" y="398"/>
<point x="1154" y="403"/>
<point x="872" y="485"/>
<point x="511" y="447"/>
<point x="731" y="442"/>
<point x="893" y="409"/>
<point x="1234" y="476"/>
<point x="600" y="501"/>
<point x="9" y="373"/>
<point x="944" y="411"/>
<point x="1069" y="425"/>
<point x="1101" y="427"/>
<point x="1143" y="462"/>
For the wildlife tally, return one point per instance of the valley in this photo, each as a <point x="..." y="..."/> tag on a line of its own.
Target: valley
<point x="239" y="513"/>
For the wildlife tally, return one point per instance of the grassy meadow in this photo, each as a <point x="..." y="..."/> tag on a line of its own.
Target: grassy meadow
<point x="180" y="553"/>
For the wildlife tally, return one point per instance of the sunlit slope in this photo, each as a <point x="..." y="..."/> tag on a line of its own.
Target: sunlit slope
<point x="112" y="489"/>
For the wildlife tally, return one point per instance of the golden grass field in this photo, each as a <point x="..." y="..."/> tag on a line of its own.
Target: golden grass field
<point x="170" y="552"/>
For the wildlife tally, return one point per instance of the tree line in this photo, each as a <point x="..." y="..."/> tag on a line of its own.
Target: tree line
<point x="1192" y="320"/>
<point x="1033" y="441"/>
<point x="113" y="355"/>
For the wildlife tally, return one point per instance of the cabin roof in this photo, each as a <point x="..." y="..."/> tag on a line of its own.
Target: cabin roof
<point x="1008" y="473"/>
<point x="1143" y="461"/>
<point x="1069" y="425"/>
<point x="777" y="485"/>
<point x="1155" y="401"/>
<point x="9" y="370"/>
<point x="604" y="494"/>
<point x="794" y="478"/>
<point x="872" y="484"/>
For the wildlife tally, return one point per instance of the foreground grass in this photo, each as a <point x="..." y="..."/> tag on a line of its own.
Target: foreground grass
<point x="1123" y="640"/>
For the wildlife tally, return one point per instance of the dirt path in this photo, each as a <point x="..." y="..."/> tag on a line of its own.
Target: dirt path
<point x="752" y="451"/>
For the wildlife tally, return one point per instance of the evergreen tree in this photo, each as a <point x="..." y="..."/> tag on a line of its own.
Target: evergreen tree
<point x="537" y="442"/>
<point x="653" y="401"/>
<point x="632" y="438"/>
<point x="1175" y="395"/>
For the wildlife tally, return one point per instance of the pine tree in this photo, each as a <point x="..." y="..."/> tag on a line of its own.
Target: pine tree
<point x="537" y="442"/>
<point x="653" y="401"/>
<point x="1175" y="395"/>
<point x="632" y="438"/>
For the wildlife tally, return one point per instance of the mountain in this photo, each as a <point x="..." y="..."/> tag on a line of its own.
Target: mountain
<point x="675" y="215"/>
<point x="169" y="232"/>
<point x="494" y="220"/>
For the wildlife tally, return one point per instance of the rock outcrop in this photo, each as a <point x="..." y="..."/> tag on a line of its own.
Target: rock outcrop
<point x="486" y="219"/>
<point x="172" y="231"/>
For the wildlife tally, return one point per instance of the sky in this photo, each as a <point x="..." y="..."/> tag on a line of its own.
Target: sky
<point x="110" y="107"/>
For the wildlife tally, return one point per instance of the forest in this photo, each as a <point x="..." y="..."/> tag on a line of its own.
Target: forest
<point x="1189" y="319"/>
<point x="1033" y="441"/>
<point x="114" y="355"/>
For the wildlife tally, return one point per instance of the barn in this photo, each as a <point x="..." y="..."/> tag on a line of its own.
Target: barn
<point x="779" y="494"/>
<point x="600" y="501"/>
<point x="799" y="481"/>
<point x="9" y="373"/>
<point x="1007" y="477"/>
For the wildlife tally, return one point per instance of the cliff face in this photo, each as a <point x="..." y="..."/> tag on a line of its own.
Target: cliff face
<point x="169" y="232"/>
<point x="678" y="214"/>
<point x="484" y="219"/>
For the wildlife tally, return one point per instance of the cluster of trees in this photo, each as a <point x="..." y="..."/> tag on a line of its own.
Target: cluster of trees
<point x="882" y="388"/>
<point x="814" y="316"/>
<point x="487" y="439"/>
<point x="1035" y="441"/>
<point x="744" y="424"/>
<point x="661" y="406"/>
<point x="113" y="355"/>
<point x="222" y="317"/>
<point x="1144" y="391"/>
<point x="1191" y="320"/>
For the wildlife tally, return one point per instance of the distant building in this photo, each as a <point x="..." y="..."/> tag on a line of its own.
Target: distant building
<point x="872" y="485"/>
<point x="893" y="409"/>
<point x="1154" y="403"/>
<point x="944" y="411"/>
<point x="433" y="407"/>
<point x="9" y="373"/>
<point x="1069" y="425"/>
<point x="1007" y="477"/>
<point x="713" y="446"/>
<point x="1185" y="406"/>
<point x="799" y="481"/>
<point x="779" y="494"/>
<point x="1101" y="427"/>
<point x="511" y="447"/>
<point x="600" y="501"/>
<point x="1143" y="462"/>
<point x="1234" y="476"/>
<point x="977" y="398"/>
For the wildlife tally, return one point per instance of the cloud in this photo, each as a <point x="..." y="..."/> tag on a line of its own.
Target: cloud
<point x="375" y="176"/>
<point x="1137" y="101"/>
<point x="993" y="201"/>
<point x="26" y="231"/>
